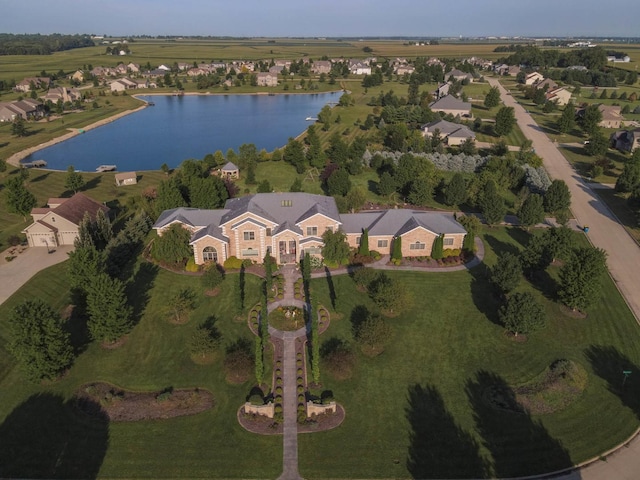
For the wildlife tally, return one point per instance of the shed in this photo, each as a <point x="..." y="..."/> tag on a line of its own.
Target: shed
<point x="126" y="178"/>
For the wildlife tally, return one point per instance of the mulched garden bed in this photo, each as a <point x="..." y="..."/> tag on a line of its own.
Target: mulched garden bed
<point x="119" y="405"/>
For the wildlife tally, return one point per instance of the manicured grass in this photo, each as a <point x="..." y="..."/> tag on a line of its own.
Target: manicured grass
<point x="155" y="356"/>
<point x="450" y="342"/>
<point x="440" y="357"/>
<point x="618" y="204"/>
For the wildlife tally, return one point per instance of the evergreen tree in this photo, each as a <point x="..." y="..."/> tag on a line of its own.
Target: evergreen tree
<point x="492" y="204"/>
<point x="386" y="185"/>
<point x="264" y="187"/>
<point x="532" y="211"/>
<point x="580" y="278"/>
<point x="19" y="199"/>
<point x="437" y="250"/>
<point x="363" y="249"/>
<point x="73" y="180"/>
<point x="103" y="230"/>
<point x="567" y="120"/>
<point x="296" y="186"/>
<point x="506" y="273"/>
<point x="109" y="313"/>
<point x="456" y="191"/>
<point x="335" y="248"/>
<point x="172" y="248"/>
<point x="294" y="154"/>
<point x="630" y="176"/>
<point x="169" y="196"/>
<point x="492" y="99"/>
<point x="39" y="341"/>
<point x="396" y="253"/>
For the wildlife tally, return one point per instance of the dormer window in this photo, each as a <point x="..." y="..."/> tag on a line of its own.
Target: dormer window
<point x="287" y="203"/>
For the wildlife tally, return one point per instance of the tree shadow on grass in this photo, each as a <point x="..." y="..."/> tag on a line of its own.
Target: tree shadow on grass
<point x="506" y="429"/>
<point x="93" y="183"/>
<point x="520" y="235"/>
<point x="40" y="178"/>
<point x="609" y="364"/>
<point x="139" y="288"/>
<point x="438" y="447"/>
<point x="483" y="293"/>
<point x="359" y="314"/>
<point x="46" y="437"/>
<point x="76" y="326"/>
<point x="498" y="246"/>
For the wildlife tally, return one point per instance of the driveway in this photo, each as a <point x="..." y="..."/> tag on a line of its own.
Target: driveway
<point x="623" y="260"/>
<point x="16" y="273"/>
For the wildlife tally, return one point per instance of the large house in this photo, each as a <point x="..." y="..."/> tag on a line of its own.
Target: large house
<point x="37" y="82"/>
<point x="57" y="224"/>
<point x="533" y="78"/>
<point x="458" y="75"/>
<point x="611" y="116"/>
<point x="625" y="140"/>
<point x="559" y="96"/>
<point x="452" y="105"/>
<point x="265" y="79"/>
<point x="451" y="133"/>
<point x="289" y="225"/>
<point x="26" y="108"/>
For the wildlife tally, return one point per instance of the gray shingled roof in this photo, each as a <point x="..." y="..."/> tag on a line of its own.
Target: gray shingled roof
<point x="400" y="221"/>
<point x="271" y="207"/>
<point x="191" y="216"/>
<point x="450" y="102"/>
<point x="229" y="166"/>
<point x="449" y="128"/>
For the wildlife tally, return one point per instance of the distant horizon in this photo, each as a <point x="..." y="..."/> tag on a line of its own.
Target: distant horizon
<point x="329" y="18"/>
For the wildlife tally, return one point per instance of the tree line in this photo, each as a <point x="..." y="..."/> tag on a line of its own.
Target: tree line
<point x="37" y="44"/>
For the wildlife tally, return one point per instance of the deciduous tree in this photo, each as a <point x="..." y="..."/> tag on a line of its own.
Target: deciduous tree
<point x="492" y="99"/>
<point x="506" y="273"/>
<point x="580" y="278"/>
<point x="335" y="248"/>
<point x="73" y="180"/>
<point x="521" y="313"/>
<point x="557" y="197"/>
<point x="19" y="199"/>
<point x="532" y="211"/>
<point x="505" y="121"/>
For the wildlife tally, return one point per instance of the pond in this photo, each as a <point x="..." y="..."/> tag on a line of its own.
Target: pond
<point x="180" y="127"/>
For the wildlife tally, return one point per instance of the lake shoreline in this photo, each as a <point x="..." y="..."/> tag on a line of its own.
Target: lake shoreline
<point x="16" y="158"/>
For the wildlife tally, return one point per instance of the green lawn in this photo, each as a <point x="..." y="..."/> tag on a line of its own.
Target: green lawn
<point x="429" y="381"/>
<point x="154" y="357"/>
<point x="449" y="346"/>
<point x="617" y="202"/>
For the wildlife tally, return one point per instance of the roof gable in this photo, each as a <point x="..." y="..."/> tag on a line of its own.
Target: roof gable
<point x="75" y="208"/>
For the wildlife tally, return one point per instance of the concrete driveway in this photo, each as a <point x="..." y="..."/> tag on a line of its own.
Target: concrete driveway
<point x="16" y="273"/>
<point x="623" y="260"/>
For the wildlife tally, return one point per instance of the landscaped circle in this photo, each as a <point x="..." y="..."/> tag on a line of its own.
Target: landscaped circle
<point x="287" y="318"/>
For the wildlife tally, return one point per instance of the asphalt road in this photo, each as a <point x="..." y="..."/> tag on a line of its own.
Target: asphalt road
<point x="623" y="261"/>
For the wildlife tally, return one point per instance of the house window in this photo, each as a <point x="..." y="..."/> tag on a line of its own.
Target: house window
<point x="417" y="246"/>
<point x="249" y="252"/>
<point x="249" y="235"/>
<point x="268" y="232"/>
<point x="383" y="243"/>
<point x="313" y="250"/>
<point x="312" y="231"/>
<point x="210" y="254"/>
<point x="53" y="219"/>
<point x="448" y="241"/>
<point x="287" y="203"/>
<point x="358" y="240"/>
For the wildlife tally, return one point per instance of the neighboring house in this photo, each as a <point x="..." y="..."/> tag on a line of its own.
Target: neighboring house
<point x="560" y="96"/>
<point x="442" y="90"/>
<point x="625" y="140"/>
<point x="435" y="61"/>
<point x="405" y="69"/>
<point x="267" y="79"/>
<point x="78" y="76"/>
<point x="39" y="82"/>
<point x="359" y="68"/>
<point x="182" y="66"/>
<point x="452" y="105"/>
<point x="123" y="84"/>
<point x="451" y="133"/>
<point x="546" y="83"/>
<point x="289" y="225"/>
<point x="282" y="63"/>
<point x="58" y="223"/>
<point x="458" y="75"/>
<point x="513" y="71"/>
<point x="276" y="69"/>
<point x="27" y="109"/>
<point x="625" y="59"/>
<point x="533" y="78"/>
<point x="133" y="67"/>
<point x="126" y="178"/>
<point x="62" y="93"/>
<point x="611" y="116"/>
<point x="321" y="66"/>
<point x="121" y="69"/>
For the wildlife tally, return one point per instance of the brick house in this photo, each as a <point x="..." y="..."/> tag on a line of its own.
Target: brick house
<point x="289" y="225"/>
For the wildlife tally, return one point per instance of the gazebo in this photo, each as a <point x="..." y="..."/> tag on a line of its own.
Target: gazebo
<point x="230" y="170"/>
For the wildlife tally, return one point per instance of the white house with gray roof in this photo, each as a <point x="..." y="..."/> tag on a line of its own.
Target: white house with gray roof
<point x="288" y="225"/>
<point x="451" y="133"/>
<point x="452" y="105"/>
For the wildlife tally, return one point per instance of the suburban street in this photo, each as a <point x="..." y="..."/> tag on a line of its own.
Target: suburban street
<point x="623" y="260"/>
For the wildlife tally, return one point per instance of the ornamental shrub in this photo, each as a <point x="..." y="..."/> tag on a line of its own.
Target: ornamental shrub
<point x="232" y="263"/>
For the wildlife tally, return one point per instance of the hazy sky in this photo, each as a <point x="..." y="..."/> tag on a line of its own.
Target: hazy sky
<point x="349" y="18"/>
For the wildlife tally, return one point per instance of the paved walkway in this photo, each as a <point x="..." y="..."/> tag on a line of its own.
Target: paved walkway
<point x="289" y="379"/>
<point x="16" y="273"/>
<point x="623" y="259"/>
